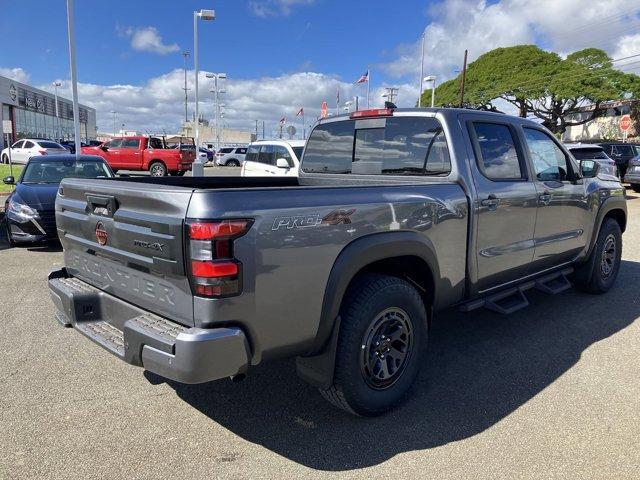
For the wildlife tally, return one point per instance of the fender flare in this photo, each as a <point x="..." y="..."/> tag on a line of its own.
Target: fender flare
<point x="608" y="205"/>
<point x="317" y="367"/>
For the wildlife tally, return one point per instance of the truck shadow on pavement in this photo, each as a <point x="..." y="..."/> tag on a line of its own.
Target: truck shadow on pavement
<point x="480" y="367"/>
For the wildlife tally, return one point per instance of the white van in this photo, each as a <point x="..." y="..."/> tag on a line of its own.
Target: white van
<point x="273" y="157"/>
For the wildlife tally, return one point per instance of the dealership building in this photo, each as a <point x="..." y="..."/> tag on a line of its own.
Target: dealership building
<point x="32" y="113"/>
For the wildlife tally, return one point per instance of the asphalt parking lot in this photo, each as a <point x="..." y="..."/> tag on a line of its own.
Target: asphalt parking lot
<point x="549" y="392"/>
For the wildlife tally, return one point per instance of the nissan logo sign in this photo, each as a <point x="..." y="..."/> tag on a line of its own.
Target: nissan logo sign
<point x="101" y="234"/>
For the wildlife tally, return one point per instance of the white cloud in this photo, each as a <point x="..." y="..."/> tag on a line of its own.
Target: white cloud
<point x="148" y="39"/>
<point x="273" y="8"/>
<point x="479" y="26"/>
<point x="159" y="103"/>
<point x="17" y="74"/>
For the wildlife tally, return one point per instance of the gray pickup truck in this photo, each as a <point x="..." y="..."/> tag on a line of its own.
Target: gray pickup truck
<point x="397" y="214"/>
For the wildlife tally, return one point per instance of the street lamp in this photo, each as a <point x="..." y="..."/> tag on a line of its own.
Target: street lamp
<point x="198" y="167"/>
<point x="74" y="76"/>
<point x="55" y="86"/>
<point x="216" y="92"/>
<point x="432" y="79"/>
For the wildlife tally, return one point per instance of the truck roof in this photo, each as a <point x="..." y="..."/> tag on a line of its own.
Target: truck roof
<point x="446" y="111"/>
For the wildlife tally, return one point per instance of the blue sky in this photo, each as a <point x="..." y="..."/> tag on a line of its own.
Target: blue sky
<point x="283" y="54"/>
<point x="330" y="36"/>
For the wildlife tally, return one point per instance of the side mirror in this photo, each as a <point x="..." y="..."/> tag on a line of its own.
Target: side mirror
<point x="589" y="168"/>
<point x="282" y="163"/>
<point x="104" y="148"/>
<point x="9" y="180"/>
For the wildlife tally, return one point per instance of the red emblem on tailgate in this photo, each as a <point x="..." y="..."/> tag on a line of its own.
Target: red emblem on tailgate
<point x="101" y="234"/>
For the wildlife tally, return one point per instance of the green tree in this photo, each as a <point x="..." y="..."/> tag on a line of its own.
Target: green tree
<point x="542" y="84"/>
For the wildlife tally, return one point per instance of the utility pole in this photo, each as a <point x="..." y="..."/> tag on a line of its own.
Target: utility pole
<point x="464" y="74"/>
<point x="392" y="92"/>
<point x="186" y="97"/>
<point x="263" y="129"/>
<point x="256" y="129"/>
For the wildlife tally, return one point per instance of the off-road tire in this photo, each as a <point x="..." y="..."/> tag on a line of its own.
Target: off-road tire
<point x="599" y="272"/>
<point x="369" y="296"/>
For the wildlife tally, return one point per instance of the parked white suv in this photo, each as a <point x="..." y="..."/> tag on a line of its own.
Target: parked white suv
<point x="230" y="156"/>
<point x="24" y="149"/>
<point x="273" y="157"/>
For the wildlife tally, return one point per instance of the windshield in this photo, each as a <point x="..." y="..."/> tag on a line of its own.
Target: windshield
<point x="42" y="171"/>
<point x="298" y="152"/>
<point x="589" y="154"/>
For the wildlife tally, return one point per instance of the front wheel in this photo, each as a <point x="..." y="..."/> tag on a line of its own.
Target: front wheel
<point x="5" y="159"/>
<point x="382" y="336"/>
<point x="601" y="269"/>
<point x="158" y="169"/>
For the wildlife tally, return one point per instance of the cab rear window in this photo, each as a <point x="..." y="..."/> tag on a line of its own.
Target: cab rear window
<point x="381" y="146"/>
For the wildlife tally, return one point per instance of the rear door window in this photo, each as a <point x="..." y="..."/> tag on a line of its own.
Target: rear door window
<point x="499" y="158"/>
<point x="28" y="144"/>
<point x="241" y="151"/>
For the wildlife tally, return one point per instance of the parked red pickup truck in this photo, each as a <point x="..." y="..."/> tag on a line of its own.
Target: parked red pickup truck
<point x="145" y="153"/>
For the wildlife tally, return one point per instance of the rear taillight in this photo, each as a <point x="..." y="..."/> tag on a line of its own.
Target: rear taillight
<point x="42" y="152"/>
<point x="215" y="272"/>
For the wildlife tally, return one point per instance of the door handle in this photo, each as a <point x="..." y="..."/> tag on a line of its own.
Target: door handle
<point x="545" y="197"/>
<point x="491" y="201"/>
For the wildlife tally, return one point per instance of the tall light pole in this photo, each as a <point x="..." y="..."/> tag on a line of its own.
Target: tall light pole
<point x="432" y="79"/>
<point x="216" y="98"/>
<point x="74" y="76"/>
<point x="186" y="97"/>
<point x="198" y="166"/>
<point x="114" y="122"/>
<point x="421" y="68"/>
<point x="56" y="84"/>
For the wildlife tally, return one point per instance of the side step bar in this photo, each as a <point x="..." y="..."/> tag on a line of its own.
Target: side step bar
<point x="513" y="299"/>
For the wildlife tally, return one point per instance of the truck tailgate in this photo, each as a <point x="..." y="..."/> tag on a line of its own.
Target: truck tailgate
<point x="127" y="239"/>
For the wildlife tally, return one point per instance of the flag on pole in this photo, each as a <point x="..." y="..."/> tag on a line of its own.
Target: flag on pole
<point x="300" y="112"/>
<point x="324" y="110"/>
<point x="364" y="78"/>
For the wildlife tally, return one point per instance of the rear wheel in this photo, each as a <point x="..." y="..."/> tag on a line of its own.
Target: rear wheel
<point x="599" y="273"/>
<point x="233" y="163"/>
<point x="636" y="187"/>
<point x="382" y="336"/>
<point x="158" y="169"/>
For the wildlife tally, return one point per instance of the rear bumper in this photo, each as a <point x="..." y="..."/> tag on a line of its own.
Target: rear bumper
<point x="169" y="349"/>
<point x="632" y="177"/>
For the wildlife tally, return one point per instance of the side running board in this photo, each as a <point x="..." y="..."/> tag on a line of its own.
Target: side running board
<point x="513" y="299"/>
